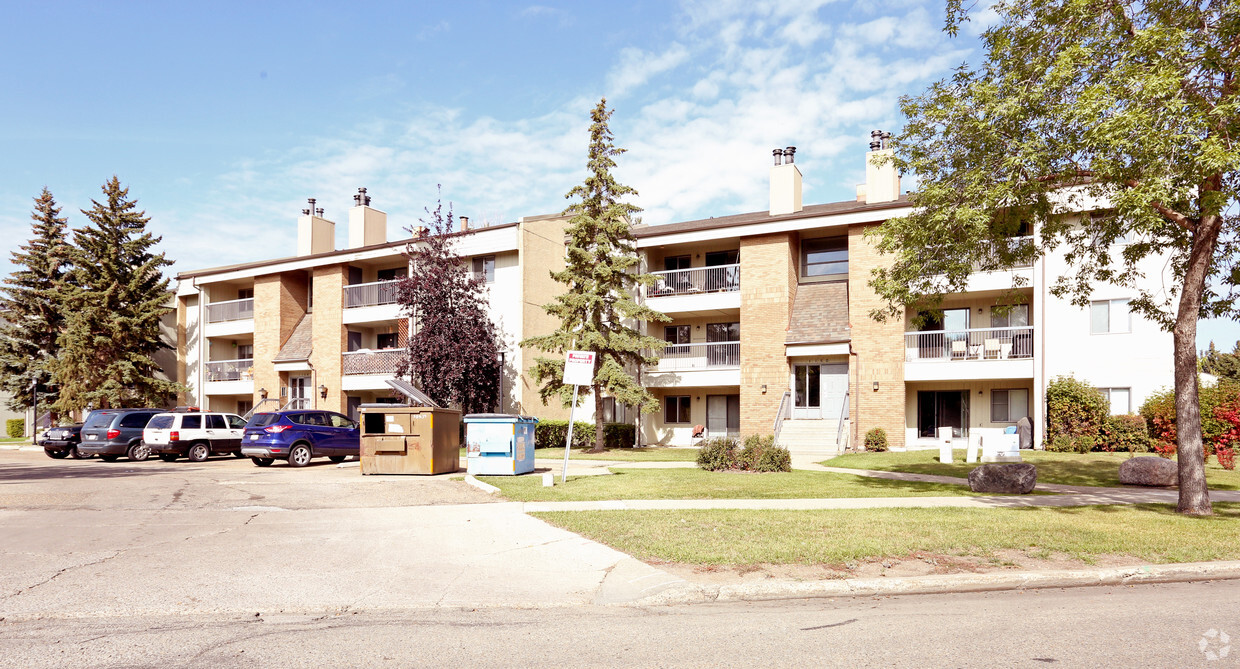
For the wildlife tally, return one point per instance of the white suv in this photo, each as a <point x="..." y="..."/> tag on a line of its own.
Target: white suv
<point x="196" y="435"/>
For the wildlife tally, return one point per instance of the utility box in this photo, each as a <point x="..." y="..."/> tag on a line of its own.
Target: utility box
<point x="398" y="439"/>
<point x="499" y="444"/>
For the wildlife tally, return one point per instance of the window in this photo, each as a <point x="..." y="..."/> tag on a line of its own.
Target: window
<point x="392" y="274"/>
<point x="237" y="422"/>
<point x="676" y="409"/>
<point x="354" y="340"/>
<point x="136" y="420"/>
<point x="825" y="258"/>
<point x="678" y="337"/>
<point x="191" y="422"/>
<point x="676" y="262"/>
<point x="216" y="422"/>
<point x="1008" y="406"/>
<point x="484" y="268"/>
<point x="337" y="420"/>
<point x="245" y="351"/>
<point x="1017" y="317"/>
<point x="1109" y="316"/>
<point x="386" y="340"/>
<point x="1119" y="399"/>
<point x="245" y="294"/>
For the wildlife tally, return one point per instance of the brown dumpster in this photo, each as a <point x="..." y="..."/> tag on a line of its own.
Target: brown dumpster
<point x="399" y="439"/>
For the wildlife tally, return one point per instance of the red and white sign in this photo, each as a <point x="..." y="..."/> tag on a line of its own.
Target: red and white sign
<point x="579" y="368"/>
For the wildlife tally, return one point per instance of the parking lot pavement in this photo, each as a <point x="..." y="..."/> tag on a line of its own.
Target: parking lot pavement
<point x="88" y="538"/>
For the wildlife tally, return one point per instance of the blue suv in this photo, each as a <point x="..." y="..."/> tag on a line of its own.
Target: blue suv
<point x="298" y="436"/>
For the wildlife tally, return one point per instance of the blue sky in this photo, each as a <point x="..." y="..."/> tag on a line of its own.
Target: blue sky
<point x="223" y="117"/>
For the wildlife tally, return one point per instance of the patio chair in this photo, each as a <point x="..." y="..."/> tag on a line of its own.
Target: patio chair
<point x="990" y="349"/>
<point x="960" y="349"/>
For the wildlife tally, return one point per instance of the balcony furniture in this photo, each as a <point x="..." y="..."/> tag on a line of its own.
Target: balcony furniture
<point x="248" y="374"/>
<point x="960" y="349"/>
<point x="990" y="349"/>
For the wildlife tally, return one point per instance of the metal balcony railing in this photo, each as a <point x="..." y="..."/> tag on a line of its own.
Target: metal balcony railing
<point x="370" y="294"/>
<point x="969" y="345"/>
<point x="679" y="357"/>
<point x="231" y="310"/>
<point x="384" y="361"/>
<point x="231" y="370"/>
<point x="1012" y="246"/>
<point x="718" y="279"/>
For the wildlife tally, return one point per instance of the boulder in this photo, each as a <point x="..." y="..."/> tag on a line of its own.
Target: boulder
<point x="1147" y="470"/>
<point x="1018" y="479"/>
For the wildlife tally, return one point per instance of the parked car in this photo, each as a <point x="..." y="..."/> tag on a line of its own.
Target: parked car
<point x="298" y="436"/>
<point x="111" y="433"/>
<point x="193" y="434"/>
<point x="62" y="441"/>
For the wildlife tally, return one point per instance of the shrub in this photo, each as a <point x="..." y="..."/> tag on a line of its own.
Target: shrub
<point x="773" y="459"/>
<point x="1165" y="449"/>
<point x="1125" y="433"/>
<point x="718" y="454"/>
<point x="15" y="427"/>
<point x="1075" y="414"/>
<point x="552" y="433"/>
<point x="1214" y="402"/>
<point x="876" y="440"/>
<point x="1226" y="457"/>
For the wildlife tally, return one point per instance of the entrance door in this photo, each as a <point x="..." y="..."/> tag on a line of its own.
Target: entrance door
<point x="723" y="415"/>
<point x="833" y="380"/>
<point x="942" y="408"/>
<point x="818" y="390"/>
<point x="299" y="392"/>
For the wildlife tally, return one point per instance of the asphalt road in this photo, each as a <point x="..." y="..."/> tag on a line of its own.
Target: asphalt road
<point x="225" y="564"/>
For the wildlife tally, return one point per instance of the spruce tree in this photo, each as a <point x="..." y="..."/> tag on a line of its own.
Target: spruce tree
<point x="598" y="311"/>
<point x="116" y="296"/>
<point x="454" y="355"/>
<point x="31" y="306"/>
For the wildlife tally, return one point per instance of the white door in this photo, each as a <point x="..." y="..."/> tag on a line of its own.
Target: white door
<point x="834" y="382"/>
<point x="299" y="392"/>
<point x="806" y="392"/>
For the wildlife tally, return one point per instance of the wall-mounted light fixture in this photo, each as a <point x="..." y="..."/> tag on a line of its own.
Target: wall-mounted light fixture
<point x="980" y="310"/>
<point x="323" y="391"/>
<point x="764" y="389"/>
<point x="262" y="393"/>
<point x="876" y="386"/>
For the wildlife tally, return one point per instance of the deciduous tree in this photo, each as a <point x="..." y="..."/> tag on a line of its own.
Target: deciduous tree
<point x="597" y="311"/>
<point x="1126" y="109"/>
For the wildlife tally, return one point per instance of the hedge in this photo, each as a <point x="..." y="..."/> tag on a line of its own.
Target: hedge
<point x="15" y="427"/>
<point x="1075" y="415"/>
<point x="552" y="433"/>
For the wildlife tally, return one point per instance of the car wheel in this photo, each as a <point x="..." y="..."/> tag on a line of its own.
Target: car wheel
<point x="79" y="455"/>
<point x="138" y="452"/>
<point x="263" y="462"/>
<point x="109" y="458"/>
<point x="56" y="455"/>
<point x="168" y="457"/>
<point x="337" y="458"/>
<point x="198" y="452"/>
<point x="299" y="456"/>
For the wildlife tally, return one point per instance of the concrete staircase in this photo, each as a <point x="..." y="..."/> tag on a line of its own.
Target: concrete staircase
<point x="812" y="438"/>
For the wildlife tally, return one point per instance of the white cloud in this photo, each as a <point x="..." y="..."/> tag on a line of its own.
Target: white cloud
<point x="637" y="67"/>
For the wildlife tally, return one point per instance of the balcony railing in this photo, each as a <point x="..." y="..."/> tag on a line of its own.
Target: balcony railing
<point x="231" y="370"/>
<point x="718" y="279"/>
<point x="384" y="361"/>
<point x="370" y="294"/>
<point x="992" y="258"/>
<point x="680" y="357"/>
<point x="232" y="310"/>
<point x="967" y="345"/>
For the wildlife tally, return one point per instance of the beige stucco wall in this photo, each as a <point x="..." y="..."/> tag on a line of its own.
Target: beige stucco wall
<point x="541" y="252"/>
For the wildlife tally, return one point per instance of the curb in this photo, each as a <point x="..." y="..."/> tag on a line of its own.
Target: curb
<point x="484" y="487"/>
<point x="947" y="583"/>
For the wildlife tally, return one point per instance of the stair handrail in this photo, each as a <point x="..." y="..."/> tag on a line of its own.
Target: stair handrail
<point x="780" y="415"/>
<point x="249" y="414"/>
<point x="839" y="430"/>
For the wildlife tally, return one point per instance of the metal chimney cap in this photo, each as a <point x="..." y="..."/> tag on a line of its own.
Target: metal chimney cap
<point x="779" y="156"/>
<point x="788" y="154"/>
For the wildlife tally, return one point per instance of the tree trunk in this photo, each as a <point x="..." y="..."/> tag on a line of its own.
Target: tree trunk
<point x="598" y="420"/>
<point x="1194" y="495"/>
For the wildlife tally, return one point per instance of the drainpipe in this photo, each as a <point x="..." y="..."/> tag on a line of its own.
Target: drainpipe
<point x="1041" y="350"/>
<point x="200" y="387"/>
<point x="856" y="397"/>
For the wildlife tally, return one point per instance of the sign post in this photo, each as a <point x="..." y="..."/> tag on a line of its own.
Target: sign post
<point x="578" y="371"/>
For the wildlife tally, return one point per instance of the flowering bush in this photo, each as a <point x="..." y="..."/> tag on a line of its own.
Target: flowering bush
<point x="1226" y="457"/>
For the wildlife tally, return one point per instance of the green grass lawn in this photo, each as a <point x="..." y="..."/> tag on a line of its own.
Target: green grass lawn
<point x="656" y="454"/>
<point x="701" y="484"/>
<point x="1151" y="532"/>
<point x="1092" y="469"/>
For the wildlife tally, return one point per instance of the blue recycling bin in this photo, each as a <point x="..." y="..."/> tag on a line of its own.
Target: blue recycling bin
<point x="499" y="444"/>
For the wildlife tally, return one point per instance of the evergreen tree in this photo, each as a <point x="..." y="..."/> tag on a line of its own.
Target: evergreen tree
<point x="116" y="296"/>
<point x="454" y="354"/>
<point x="1223" y="365"/>
<point x="597" y="312"/>
<point x="31" y="306"/>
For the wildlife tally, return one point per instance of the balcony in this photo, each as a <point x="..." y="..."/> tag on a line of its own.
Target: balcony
<point x="976" y="353"/>
<point x="230" y="377"/>
<point x="702" y="364"/>
<point x="231" y="317"/>
<point x="373" y="302"/>
<point x="696" y="291"/>
<point x="369" y="370"/>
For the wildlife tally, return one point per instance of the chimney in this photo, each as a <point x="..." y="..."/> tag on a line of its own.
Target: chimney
<point x="464" y="224"/>
<point x="785" y="183"/>
<point x="367" y="226"/>
<point x="882" y="184"/>
<point x="315" y="234"/>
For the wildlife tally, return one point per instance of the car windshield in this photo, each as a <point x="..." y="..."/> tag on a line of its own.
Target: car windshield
<point x="99" y="419"/>
<point x="160" y="422"/>
<point x="263" y="419"/>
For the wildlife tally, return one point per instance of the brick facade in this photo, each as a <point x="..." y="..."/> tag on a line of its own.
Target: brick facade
<point x="768" y="288"/>
<point x="877" y="348"/>
<point x="280" y="301"/>
<point x="329" y="335"/>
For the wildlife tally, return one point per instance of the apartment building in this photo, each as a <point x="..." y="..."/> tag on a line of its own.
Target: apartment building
<point x="771" y="331"/>
<point x="321" y="328"/>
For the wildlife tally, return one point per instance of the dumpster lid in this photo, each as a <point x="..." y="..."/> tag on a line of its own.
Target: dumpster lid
<point x="499" y="416"/>
<point x="416" y="396"/>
